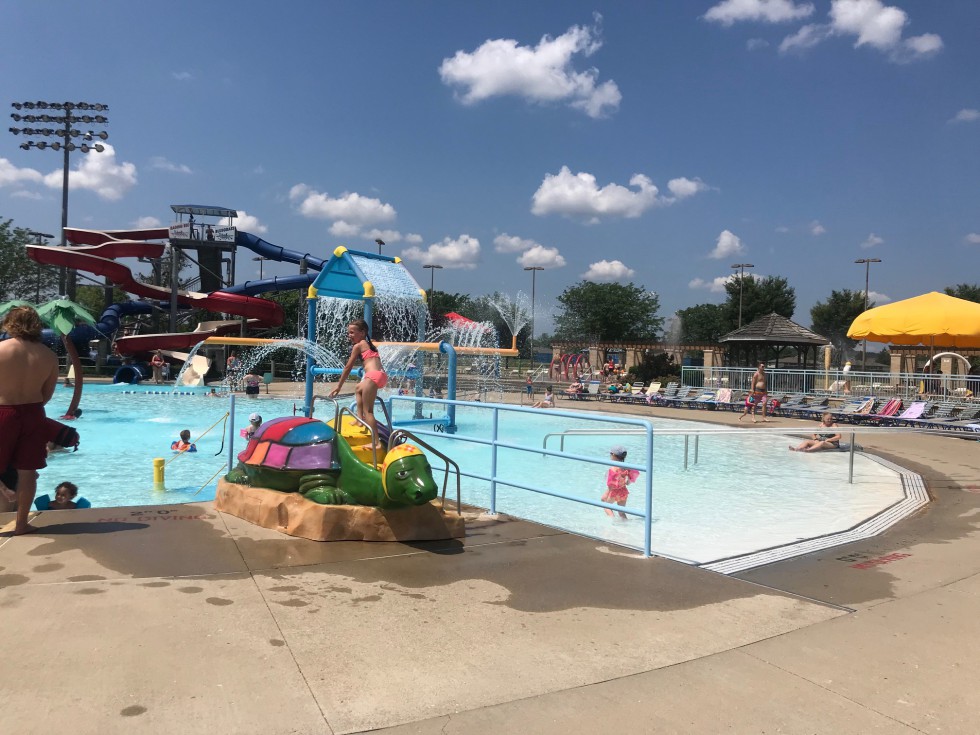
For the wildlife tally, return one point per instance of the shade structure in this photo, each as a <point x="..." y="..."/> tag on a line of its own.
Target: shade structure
<point x="931" y="319"/>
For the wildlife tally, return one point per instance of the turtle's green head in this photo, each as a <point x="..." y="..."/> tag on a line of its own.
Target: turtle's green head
<point x="406" y="476"/>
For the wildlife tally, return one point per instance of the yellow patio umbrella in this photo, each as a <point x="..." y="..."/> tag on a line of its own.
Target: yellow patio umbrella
<point x="931" y="319"/>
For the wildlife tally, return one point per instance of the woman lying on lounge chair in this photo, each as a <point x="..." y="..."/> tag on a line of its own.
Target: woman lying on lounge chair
<point x="828" y="438"/>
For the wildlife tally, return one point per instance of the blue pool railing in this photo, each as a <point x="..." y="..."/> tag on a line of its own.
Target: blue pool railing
<point x="496" y="443"/>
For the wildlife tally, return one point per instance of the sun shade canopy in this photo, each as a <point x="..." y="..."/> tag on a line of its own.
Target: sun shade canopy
<point x="930" y="319"/>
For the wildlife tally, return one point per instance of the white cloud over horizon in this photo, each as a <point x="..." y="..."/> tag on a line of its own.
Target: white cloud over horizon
<point x="715" y="285"/>
<point x="966" y="115"/>
<point x="538" y="74"/>
<point x="580" y="196"/>
<point x="871" y="241"/>
<point x="608" y="271"/>
<point x="96" y="172"/>
<point x="532" y="253"/>
<point x="147" y="223"/>
<point x="162" y="164"/>
<point x="727" y="245"/>
<point x="245" y="222"/>
<point x="878" y="299"/>
<point x="462" y="252"/>
<point x="973" y="238"/>
<point x="874" y="24"/>
<point x="729" y="12"/>
<point x="816" y="228"/>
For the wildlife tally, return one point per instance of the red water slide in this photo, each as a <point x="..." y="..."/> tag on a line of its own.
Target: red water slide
<point x="95" y="253"/>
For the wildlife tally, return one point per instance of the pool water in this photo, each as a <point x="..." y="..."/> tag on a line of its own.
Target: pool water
<point x="746" y="491"/>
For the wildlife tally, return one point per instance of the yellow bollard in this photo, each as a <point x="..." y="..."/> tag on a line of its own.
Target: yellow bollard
<point x="158" y="465"/>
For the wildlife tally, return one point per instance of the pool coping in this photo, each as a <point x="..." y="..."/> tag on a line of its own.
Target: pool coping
<point x="916" y="497"/>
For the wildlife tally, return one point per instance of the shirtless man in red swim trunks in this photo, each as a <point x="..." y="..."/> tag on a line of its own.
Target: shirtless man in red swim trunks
<point x="28" y="375"/>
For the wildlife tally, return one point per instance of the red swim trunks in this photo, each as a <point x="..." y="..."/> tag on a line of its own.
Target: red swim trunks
<point x="24" y="433"/>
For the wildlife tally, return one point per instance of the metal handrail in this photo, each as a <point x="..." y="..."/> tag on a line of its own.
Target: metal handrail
<point x="400" y="436"/>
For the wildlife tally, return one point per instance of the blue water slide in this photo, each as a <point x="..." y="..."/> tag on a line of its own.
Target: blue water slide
<point x="277" y="283"/>
<point x="273" y="252"/>
<point x="106" y="327"/>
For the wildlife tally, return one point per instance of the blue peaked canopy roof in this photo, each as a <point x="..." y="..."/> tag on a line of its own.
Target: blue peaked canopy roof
<point x="357" y="275"/>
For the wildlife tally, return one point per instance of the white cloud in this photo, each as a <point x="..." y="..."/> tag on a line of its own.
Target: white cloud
<point x="246" y="222"/>
<point x="715" y="285"/>
<point x="10" y="174"/>
<point x="966" y="115"/>
<point x="344" y="229"/>
<point x="413" y="237"/>
<point x="729" y="12"/>
<point x="874" y="24"/>
<point x="100" y="173"/>
<point x="463" y="252"/>
<point x="505" y="243"/>
<point x="728" y="244"/>
<point x="878" y="298"/>
<point x="782" y="229"/>
<point x="754" y="44"/>
<point x="540" y="255"/>
<point x="578" y="195"/>
<point x="871" y="241"/>
<point x="388" y="237"/>
<point x="181" y="76"/>
<point x="973" y="238"/>
<point x="146" y="223"/>
<point x="540" y="74"/>
<point x="608" y="271"/>
<point x="162" y="164"/>
<point x="24" y="194"/>
<point x="816" y="228"/>
<point x="682" y="187"/>
<point x="350" y="207"/>
<point x="807" y="37"/>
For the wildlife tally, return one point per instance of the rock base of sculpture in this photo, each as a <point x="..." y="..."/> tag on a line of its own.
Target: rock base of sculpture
<point x="292" y="514"/>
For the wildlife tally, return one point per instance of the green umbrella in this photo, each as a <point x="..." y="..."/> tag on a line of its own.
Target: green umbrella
<point x="8" y="305"/>
<point x="61" y="315"/>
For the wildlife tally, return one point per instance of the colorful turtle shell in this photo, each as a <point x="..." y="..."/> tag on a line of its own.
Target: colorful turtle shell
<point x="291" y="443"/>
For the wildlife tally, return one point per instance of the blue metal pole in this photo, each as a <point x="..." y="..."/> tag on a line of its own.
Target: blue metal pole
<point x="648" y="531"/>
<point x="450" y="351"/>
<point x="231" y="432"/>
<point x="311" y="298"/>
<point x="493" y="462"/>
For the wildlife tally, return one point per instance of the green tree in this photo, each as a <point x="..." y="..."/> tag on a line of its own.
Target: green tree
<point x="968" y="291"/>
<point x="703" y="323"/>
<point x="442" y="303"/>
<point x="291" y="303"/>
<point x="760" y="296"/>
<point x="608" y="312"/>
<point x="833" y="317"/>
<point x="92" y="298"/>
<point x="21" y="277"/>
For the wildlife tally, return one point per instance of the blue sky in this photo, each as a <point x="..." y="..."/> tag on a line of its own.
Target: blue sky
<point x="652" y="142"/>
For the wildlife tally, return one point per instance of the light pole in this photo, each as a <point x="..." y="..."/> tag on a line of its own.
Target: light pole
<point x="432" y="268"/>
<point x="66" y="132"/>
<point x="40" y="241"/>
<point x="866" y="262"/>
<point x="261" y="262"/>
<point x="740" y="267"/>
<point x="380" y="243"/>
<point x="534" y="274"/>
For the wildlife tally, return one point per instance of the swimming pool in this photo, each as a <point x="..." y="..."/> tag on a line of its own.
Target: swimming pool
<point x="746" y="491"/>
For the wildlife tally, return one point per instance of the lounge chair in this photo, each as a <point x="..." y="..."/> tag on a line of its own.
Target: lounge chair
<point x="915" y="411"/>
<point x="856" y="407"/>
<point x="698" y="398"/>
<point x="722" y="400"/>
<point x="889" y="410"/>
<point x="669" y="392"/>
<point x="941" y="413"/>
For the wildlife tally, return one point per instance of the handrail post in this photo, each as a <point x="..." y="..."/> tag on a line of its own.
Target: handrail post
<point x="493" y="462"/>
<point x="648" y="531"/>
<point x="697" y="441"/>
<point x="850" y="463"/>
<point x="231" y="432"/>
<point x="686" y="438"/>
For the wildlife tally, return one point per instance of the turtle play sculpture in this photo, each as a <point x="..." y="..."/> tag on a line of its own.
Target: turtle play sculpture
<point x="297" y="454"/>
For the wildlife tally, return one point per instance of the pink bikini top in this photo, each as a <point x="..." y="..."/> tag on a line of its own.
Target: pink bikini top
<point x="369" y="353"/>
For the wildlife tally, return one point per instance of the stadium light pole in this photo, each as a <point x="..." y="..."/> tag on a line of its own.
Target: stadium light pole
<point x="741" y="278"/>
<point x="432" y="268"/>
<point x="866" y="262"/>
<point x="261" y="262"/>
<point x="66" y="132"/>
<point x="41" y="236"/>
<point x="534" y="274"/>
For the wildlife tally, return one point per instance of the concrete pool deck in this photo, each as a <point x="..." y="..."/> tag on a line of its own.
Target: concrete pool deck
<point x="181" y="619"/>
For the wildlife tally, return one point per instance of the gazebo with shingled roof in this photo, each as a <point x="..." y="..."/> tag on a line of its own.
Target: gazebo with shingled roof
<point x="768" y="337"/>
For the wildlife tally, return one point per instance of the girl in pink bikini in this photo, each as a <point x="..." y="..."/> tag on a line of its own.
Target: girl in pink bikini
<point x="374" y="375"/>
<point x="617" y="478"/>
